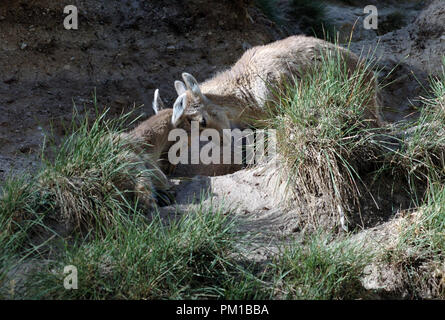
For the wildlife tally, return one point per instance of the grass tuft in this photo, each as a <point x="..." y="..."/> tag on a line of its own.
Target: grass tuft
<point x="88" y="185"/>
<point x="323" y="134"/>
<point x="419" y="255"/>
<point x="17" y="218"/>
<point x="92" y="179"/>
<point x="422" y="152"/>
<point x="186" y="258"/>
<point x="321" y="269"/>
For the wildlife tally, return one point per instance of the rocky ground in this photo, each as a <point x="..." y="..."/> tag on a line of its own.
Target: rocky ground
<point x="126" y="49"/>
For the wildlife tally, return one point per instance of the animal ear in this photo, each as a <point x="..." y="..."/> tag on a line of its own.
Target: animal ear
<point x="157" y="105"/>
<point x="178" y="108"/>
<point x="193" y="85"/>
<point x="180" y="87"/>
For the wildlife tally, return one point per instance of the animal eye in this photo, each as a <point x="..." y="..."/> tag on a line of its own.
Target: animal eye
<point x="203" y="122"/>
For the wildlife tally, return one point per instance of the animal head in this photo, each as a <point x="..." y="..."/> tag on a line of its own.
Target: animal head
<point x="199" y="107"/>
<point x="155" y="130"/>
<point x="176" y="114"/>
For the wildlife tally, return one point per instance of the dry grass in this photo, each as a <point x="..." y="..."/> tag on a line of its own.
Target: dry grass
<point x="419" y="255"/>
<point x="422" y="154"/>
<point x="323" y="268"/>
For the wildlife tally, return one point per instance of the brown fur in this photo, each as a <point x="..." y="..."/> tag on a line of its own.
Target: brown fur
<point x="153" y="133"/>
<point x="149" y="140"/>
<point x="236" y="96"/>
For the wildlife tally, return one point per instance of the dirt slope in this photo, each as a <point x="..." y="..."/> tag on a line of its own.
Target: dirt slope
<point x="124" y="50"/>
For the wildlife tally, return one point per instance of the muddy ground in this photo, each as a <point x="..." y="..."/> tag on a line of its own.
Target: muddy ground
<point x="124" y="50"/>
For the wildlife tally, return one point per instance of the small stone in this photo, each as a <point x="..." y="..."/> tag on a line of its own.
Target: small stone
<point x="23" y="46"/>
<point x="25" y="149"/>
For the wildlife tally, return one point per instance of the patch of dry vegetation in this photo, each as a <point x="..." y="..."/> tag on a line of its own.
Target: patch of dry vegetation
<point x="422" y="152"/>
<point x="90" y="182"/>
<point x="94" y="175"/>
<point x="419" y="255"/>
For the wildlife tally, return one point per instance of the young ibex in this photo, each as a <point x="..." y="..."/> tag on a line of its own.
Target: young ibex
<point x="149" y="140"/>
<point x="234" y="97"/>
